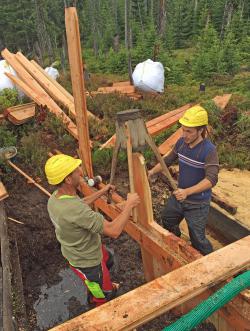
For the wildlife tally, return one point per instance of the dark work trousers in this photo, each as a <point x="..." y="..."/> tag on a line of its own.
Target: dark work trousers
<point x="196" y="216"/>
<point x="99" y="276"/>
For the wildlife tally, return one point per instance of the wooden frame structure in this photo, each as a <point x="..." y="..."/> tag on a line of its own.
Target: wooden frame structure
<point x="163" y="253"/>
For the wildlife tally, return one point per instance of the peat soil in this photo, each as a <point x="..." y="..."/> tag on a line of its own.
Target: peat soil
<point x="45" y="273"/>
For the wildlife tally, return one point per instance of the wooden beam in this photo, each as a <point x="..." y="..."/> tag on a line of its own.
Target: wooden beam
<point x="53" y="81"/>
<point x="3" y="192"/>
<point x="120" y="89"/>
<point x="76" y="69"/>
<point x="167" y="146"/>
<point x="45" y="83"/>
<point x="144" y="213"/>
<point x="159" y="296"/>
<point x="170" y="252"/>
<point x="221" y="101"/>
<point x="50" y="85"/>
<point x="163" y="244"/>
<point x="6" y="273"/>
<point x="40" y="100"/>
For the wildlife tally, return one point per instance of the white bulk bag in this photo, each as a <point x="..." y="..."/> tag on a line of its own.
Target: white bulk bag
<point x="5" y="82"/>
<point x="148" y="76"/>
<point x="52" y="72"/>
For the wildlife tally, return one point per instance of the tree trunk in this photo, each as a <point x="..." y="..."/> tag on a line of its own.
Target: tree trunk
<point x="64" y="54"/>
<point x="227" y="17"/>
<point x="42" y="34"/>
<point x="116" y="43"/>
<point x="127" y="3"/>
<point x="139" y="12"/>
<point x="162" y="18"/>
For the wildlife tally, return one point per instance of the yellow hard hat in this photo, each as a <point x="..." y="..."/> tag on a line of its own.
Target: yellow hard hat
<point x="59" y="167"/>
<point x="194" y="116"/>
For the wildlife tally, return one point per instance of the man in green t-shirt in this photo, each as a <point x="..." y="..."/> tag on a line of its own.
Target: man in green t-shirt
<point x="78" y="227"/>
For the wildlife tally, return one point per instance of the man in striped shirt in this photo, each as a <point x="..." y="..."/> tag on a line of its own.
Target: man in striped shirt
<point x="198" y="173"/>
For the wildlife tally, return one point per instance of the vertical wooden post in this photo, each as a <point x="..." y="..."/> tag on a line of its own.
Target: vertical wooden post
<point x="152" y="268"/>
<point x="76" y="70"/>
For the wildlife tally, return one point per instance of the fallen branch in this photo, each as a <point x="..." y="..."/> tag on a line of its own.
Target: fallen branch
<point x="13" y="220"/>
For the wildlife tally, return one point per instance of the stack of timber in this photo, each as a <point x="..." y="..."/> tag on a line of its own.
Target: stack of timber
<point x="41" y="88"/>
<point x="124" y="88"/>
<point x="20" y="114"/>
<point x="3" y="192"/>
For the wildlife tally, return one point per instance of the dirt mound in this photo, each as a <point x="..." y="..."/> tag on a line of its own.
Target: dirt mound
<point x="234" y="185"/>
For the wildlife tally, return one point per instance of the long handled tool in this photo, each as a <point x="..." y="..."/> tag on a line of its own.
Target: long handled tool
<point x="8" y="153"/>
<point x="132" y="134"/>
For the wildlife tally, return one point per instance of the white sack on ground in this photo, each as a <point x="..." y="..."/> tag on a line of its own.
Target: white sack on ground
<point x="5" y="82"/>
<point x="52" y="72"/>
<point x="148" y="76"/>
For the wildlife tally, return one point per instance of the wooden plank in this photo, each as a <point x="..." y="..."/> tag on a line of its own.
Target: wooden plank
<point x="52" y="106"/>
<point x="46" y="83"/>
<point x="6" y="272"/>
<point x="221" y="101"/>
<point x="161" y="126"/>
<point x="76" y="69"/>
<point x="19" y="107"/>
<point x="159" y="296"/>
<point x="53" y="81"/>
<point x="168" y="144"/>
<point x="51" y="85"/>
<point x="170" y="252"/>
<point x="157" y="124"/>
<point x="125" y="83"/>
<point x="22" y="113"/>
<point x="168" y="115"/>
<point x="120" y="89"/>
<point x="3" y="192"/>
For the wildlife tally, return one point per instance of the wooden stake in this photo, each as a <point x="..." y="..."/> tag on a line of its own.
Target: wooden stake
<point x="76" y="69"/>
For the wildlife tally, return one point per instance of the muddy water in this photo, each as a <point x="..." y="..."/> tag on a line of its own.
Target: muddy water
<point x="60" y="302"/>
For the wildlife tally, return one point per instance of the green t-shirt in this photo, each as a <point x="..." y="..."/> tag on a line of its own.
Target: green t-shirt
<point x="78" y="230"/>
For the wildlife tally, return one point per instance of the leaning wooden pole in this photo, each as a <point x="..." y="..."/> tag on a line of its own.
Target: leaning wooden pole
<point x="76" y="70"/>
<point x="6" y="322"/>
